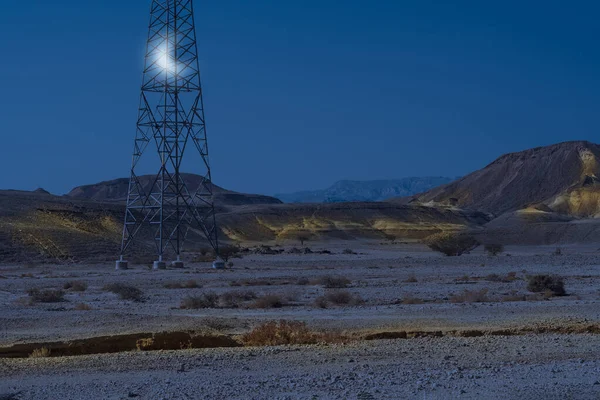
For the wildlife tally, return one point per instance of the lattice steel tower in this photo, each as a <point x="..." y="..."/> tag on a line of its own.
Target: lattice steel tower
<point x="171" y="119"/>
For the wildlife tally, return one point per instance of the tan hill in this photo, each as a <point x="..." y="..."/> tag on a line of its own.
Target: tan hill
<point x="116" y="191"/>
<point x="35" y="226"/>
<point x="563" y="177"/>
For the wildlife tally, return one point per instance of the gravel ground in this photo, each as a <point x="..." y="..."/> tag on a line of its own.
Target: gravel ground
<point x="547" y="366"/>
<point x="526" y="367"/>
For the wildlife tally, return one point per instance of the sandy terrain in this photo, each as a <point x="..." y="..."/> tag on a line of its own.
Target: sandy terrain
<point x="527" y="349"/>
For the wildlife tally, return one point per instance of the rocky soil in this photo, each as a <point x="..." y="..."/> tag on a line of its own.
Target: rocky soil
<point x="526" y="346"/>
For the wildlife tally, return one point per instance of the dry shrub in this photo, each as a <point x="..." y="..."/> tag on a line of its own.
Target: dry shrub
<point x="348" y="251"/>
<point x="557" y="252"/>
<point x="471" y="296"/>
<point x="411" y="279"/>
<point x="76" y="286"/>
<point x="549" y="284"/>
<point x="493" y="249"/>
<point x="125" y="292"/>
<point x="205" y="300"/>
<point x="233" y="299"/>
<point x="303" y="281"/>
<point x="333" y="282"/>
<point x="46" y="296"/>
<point x="82" y="307"/>
<point x="339" y="297"/>
<point x="191" y="284"/>
<point x="510" y="277"/>
<point x="287" y="333"/>
<point x="268" y="301"/>
<point x="408" y="299"/>
<point x="228" y="252"/>
<point x="43" y="352"/>
<point x="452" y="244"/>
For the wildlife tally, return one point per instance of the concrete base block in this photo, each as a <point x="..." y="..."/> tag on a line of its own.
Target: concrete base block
<point x="159" y="265"/>
<point x="121" y="265"/>
<point x="177" y="264"/>
<point x="219" y="264"/>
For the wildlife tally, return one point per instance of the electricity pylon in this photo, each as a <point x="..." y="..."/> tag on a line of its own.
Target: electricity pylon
<point x="170" y="122"/>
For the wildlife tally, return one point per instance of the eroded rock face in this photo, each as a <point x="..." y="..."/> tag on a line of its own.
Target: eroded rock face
<point x="564" y="177"/>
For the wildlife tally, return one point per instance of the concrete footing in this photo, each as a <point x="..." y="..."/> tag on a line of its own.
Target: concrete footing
<point x="159" y="265"/>
<point x="177" y="264"/>
<point x="121" y="265"/>
<point x="219" y="264"/>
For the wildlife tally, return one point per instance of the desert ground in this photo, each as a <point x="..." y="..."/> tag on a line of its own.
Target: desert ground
<point x="383" y="321"/>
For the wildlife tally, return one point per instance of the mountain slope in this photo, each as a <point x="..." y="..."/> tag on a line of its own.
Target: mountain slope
<point x="563" y="177"/>
<point x="117" y="189"/>
<point x="364" y="190"/>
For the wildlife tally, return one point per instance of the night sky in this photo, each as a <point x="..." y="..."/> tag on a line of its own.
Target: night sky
<point x="300" y="94"/>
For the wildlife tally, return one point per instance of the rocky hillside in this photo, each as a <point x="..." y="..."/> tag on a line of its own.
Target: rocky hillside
<point x="116" y="191"/>
<point x="562" y="177"/>
<point x="365" y="190"/>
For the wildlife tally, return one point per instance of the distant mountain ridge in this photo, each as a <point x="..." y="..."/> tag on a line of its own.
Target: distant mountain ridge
<point x="561" y="178"/>
<point x="377" y="190"/>
<point x="117" y="189"/>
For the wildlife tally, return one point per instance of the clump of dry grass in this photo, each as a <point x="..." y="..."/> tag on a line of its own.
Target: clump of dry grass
<point x="191" y="284"/>
<point x="46" y="296"/>
<point x="125" y="292"/>
<point x="349" y="251"/>
<point x="236" y="298"/>
<point x="333" y="282"/>
<point x="43" y="352"/>
<point x="471" y="296"/>
<point x="288" y="333"/>
<point x="76" y="286"/>
<point x="268" y="301"/>
<point x="451" y="243"/>
<point x="493" y="249"/>
<point x="338" y="297"/>
<point x="510" y="277"/>
<point x="409" y="299"/>
<point x="411" y="279"/>
<point x="82" y="307"/>
<point x="550" y="284"/>
<point x="205" y="300"/>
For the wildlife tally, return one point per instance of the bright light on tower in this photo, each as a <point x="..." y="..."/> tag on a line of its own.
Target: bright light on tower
<point x="164" y="61"/>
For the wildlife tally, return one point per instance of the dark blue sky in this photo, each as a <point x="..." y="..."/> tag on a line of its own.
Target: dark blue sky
<point x="302" y="93"/>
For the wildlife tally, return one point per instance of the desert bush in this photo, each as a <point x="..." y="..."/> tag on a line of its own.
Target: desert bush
<point x="411" y="279"/>
<point x="233" y="299"/>
<point x="303" y="281"/>
<point x="303" y="237"/>
<point x="125" y="292"/>
<point x="288" y="333"/>
<point x="43" y="352"/>
<point x="451" y="244"/>
<point x="321" y="302"/>
<point x="409" y="299"/>
<point x="205" y="300"/>
<point x="348" y="251"/>
<point x="471" y="296"/>
<point x="546" y="283"/>
<point x="493" y="249"/>
<point x="340" y="297"/>
<point x="76" y="286"/>
<point x="82" y="307"/>
<point x="228" y="252"/>
<point x="510" y="277"/>
<point x="191" y="284"/>
<point x="268" y="301"/>
<point x="333" y="282"/>
<point x="557" y="252"/>
<point x="46" y="296"/>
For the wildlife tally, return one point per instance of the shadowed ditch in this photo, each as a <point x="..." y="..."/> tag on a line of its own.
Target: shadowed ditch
<point x="193" y="340"/>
